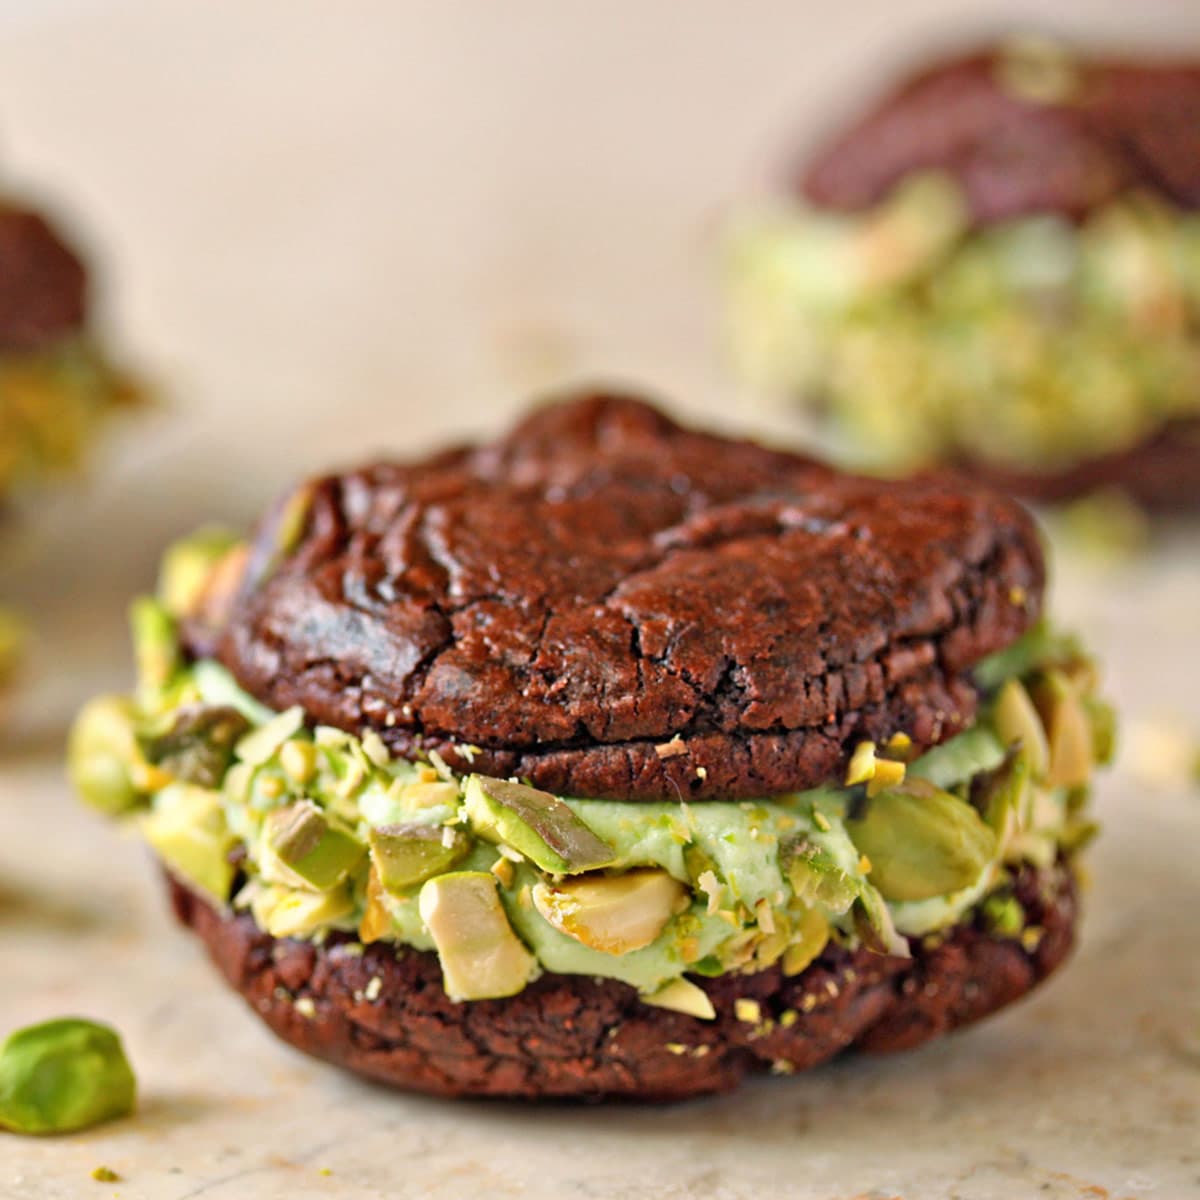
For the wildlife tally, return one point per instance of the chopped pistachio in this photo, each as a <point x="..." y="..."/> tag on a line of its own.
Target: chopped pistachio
<point x="261" y="745"/>
<point x="746" y="1010"/>
<point x="198" y="747"/>
<point x="187" y="567"/>
<point x="406" y="855"/>
<point x="862" y="764"/>
<point x="1068" y="732"/>
<point x="683" y="996"/>
<point x="303" y="848"/>
<point x="187" y="828"/>
<point x="480" y="955"/>
<point x="886" y="774"/>
<point x="1018" y="723"/>
<point x="810" y="936"/>
<point x="291" y="913"/>
<point x="538" y="825"/>
<point x="376" y="921"/>
<point x="155" y="645"/>
<point x="298" y="760"/>
<point x="614" y="914"/>
<point x="1003" y="915"/>
<point x="815" y="876"/>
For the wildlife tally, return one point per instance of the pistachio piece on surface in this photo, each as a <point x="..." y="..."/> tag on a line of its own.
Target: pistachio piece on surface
<point x="614" y="914"/>
<point x="405" y="855"/>
<point x="538" y="825"/>
<point x="101" y="753"/>
<point x="198" y="748"/>
<point x="310" y="849"/>
<point x="1017" y="722"/>
<point x="922" y="842"/>
<point x="63" y="1075"/>
<point x="481" y="957"/>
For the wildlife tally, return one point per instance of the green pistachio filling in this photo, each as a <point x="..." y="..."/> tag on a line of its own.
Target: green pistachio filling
<point x="1032" y="343"/>
<point x="51" y="402"/>
<point x="314" y="830"/>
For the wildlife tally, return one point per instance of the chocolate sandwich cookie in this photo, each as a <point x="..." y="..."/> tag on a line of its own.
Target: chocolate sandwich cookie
<point x="610" y="758"/>
<point x="57" y="385"/>
<point x="998" y="266"/>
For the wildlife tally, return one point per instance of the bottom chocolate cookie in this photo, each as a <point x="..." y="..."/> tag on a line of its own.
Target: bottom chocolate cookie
<point x="381" y="1010"/>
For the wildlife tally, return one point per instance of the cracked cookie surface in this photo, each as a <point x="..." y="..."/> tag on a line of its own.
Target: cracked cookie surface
<point x="609" y="605"/>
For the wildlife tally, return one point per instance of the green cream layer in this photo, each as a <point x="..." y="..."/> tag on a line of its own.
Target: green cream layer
<point x="261" y="812"/>
<point x="1033" y="343"/>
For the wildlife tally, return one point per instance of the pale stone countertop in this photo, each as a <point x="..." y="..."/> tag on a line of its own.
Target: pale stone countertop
<point x="330" y="233"/>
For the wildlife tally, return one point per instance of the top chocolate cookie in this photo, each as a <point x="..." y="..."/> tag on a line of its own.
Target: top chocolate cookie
<point x="609" y="605"/>
<point x="1024" y="128"/>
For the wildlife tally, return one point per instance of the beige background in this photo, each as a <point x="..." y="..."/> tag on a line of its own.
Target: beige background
<point x="329" y="229"/>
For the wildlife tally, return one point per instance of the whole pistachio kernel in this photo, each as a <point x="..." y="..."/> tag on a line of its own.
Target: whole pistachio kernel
<point x="63" y="1075"/>
<point x="922" y="842"/>
<point x="615" y="914"/>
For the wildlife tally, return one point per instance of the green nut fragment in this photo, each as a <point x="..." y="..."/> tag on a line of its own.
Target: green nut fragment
<point x="874" y="925"/>
<point x="815" y="876"/>
<point x="186" y="827"/>
<point x="187" y="566"/>
<point x="155" y="646"/>
<point x="293" y="913"/>
<point x="1003" y="796"/>
<point x="538" y="825"/>
<point x="682" y="996"/>
<point x="922" y="842"/>
<point x="1068" y="731"/>
<point x="405" y="855"/>
<point x="63" y="1075"/>
<point x="1102" y="718"/>
<point x="198" y="748"/>
<point x="481" y="957"/>
<point x="1003" y="915"/>
<point x="289" y="523"/>
<point x="302" y="848"/>
<point x="1018" y="723"/>
<point x="261" y="745"/>
<point x="101" y="752"/>
<point x="614" y="914"/>
<point x="810" y="935"/>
